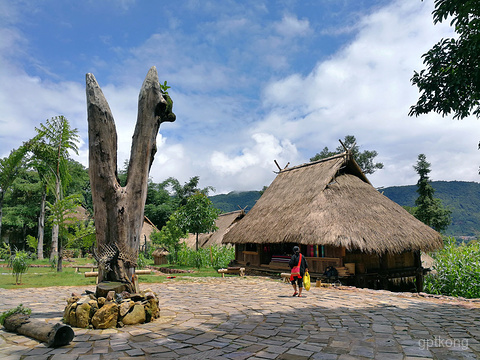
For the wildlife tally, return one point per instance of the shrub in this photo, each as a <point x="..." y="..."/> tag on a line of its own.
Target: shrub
<point x="142" y="261"/>
<point x="220" y="256"/>
<point x="457" y="270"/>
<point x="53" y="263"/>
<point x="215" y="256"/>
<point x="19" y="264"/>
<point x="5" y="252"/>
<point x="32" y="242"/>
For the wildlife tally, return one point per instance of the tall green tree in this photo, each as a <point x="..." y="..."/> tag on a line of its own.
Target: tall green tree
<point x="364" y="159"/>
<point x="159" y="205"/>
<point x="55" y="139"/>
<point x="21" y="207"/>
<point x="42" y="169"/>
<point x="183" y="192"/>
<point x="164" y="198"/>
<point x="450" y="82"/>
<point x="170" y="235"/>
<point x="198" y="215"/>
<point x="9" y="169"/>
<point x="428" y="209"/>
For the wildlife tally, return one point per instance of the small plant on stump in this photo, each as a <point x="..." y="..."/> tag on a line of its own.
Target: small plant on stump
<point x="20" y="264"/>
<point x="18" y="310"/>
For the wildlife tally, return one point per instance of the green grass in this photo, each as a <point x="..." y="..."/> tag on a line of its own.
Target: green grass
<point x="45" y="276"/>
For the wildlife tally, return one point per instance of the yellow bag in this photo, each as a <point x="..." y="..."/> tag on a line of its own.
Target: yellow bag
<point x="306" y="281"/>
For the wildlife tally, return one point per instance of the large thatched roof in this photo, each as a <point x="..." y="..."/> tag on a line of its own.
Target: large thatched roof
<point x="224" y="222"/>
<point x="331" y="202"/>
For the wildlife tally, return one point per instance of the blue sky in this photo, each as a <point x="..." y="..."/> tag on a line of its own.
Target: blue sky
<point x="252" y="82"/>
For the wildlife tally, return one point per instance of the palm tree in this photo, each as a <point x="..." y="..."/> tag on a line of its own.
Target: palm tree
<point x="51" y="149"/>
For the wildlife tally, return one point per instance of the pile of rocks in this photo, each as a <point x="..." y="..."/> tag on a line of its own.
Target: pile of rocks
<point x="114" y="310"/>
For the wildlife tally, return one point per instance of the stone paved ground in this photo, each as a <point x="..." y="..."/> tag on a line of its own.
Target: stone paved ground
<point x="256" y="318"/>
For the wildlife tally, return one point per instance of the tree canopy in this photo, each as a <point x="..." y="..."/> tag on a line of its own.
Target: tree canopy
<point x="450" y="82"/>
<point x="198" y="215"/>
<point x="9" y="169"/>
<point x="428" y="209"/>
<point x="364" y="159"/>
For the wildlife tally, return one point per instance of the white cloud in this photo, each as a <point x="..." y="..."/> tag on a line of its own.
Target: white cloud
<point x="266" y="149"/>
<point x="254" y="164"/>
<point x="291" y="26"/>
<point x="217" y="70"/>
<point x="29" y="101"/>
<point x="364" y="90"/>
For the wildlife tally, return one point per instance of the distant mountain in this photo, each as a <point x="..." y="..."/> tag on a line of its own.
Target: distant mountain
<point x="463" y="199"/>
<point x="235" y="200"/>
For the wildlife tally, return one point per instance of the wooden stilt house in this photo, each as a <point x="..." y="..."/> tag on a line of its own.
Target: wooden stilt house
<point x="330" y="209"/>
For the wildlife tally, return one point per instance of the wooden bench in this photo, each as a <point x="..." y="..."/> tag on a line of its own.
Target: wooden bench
<point x="232" y="270"/>
<point x="137" y="272"/>
<point x="78" y="267"/>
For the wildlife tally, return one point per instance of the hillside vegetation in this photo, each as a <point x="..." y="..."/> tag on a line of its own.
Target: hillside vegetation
<point x="463" y="199"/>
<point x="235" y="200"/>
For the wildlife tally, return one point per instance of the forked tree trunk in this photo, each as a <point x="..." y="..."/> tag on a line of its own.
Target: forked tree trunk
<point x="118" y="210"/>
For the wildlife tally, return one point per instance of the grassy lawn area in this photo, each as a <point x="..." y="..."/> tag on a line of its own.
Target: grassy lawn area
<point x="46" y="276"/>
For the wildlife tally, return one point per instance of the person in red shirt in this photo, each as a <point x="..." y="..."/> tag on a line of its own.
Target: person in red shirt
<point x="298" y="264"/>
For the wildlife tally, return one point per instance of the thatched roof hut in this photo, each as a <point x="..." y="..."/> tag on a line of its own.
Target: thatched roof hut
<point x="160" y="256"/>
<point x="147" y="229"/>
<point x="224" y="223"/>
<point x="331" y="202"/>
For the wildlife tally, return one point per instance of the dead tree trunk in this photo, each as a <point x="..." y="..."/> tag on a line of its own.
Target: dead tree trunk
<point x="53" y="334"/>
<point x="119" y="211"/>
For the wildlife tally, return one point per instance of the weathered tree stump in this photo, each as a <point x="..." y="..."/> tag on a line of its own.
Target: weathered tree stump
<point x="118" y="210"/>
<point x="53" y="334"/>
<point x="105" y="287"/>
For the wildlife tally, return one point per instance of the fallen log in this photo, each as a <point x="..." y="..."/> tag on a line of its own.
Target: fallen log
<point x="54" y="335"/>
<point x="143" y="272"/>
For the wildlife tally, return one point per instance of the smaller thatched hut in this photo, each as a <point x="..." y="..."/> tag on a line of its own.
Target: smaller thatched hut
<point x="224" y="222"/>
<point x="160" y="256"/>
<point x="330" y="209"/>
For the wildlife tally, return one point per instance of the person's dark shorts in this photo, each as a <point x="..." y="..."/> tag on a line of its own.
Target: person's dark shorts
<point x="299" y="281"/>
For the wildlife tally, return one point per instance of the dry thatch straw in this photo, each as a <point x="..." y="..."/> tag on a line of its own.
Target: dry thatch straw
<point x="223" y="222"/>
<point x="331" y="202"/>
<point x="160" y="252"/>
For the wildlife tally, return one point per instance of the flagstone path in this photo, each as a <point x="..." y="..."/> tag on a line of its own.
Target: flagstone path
<point x="257" y="318"/>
